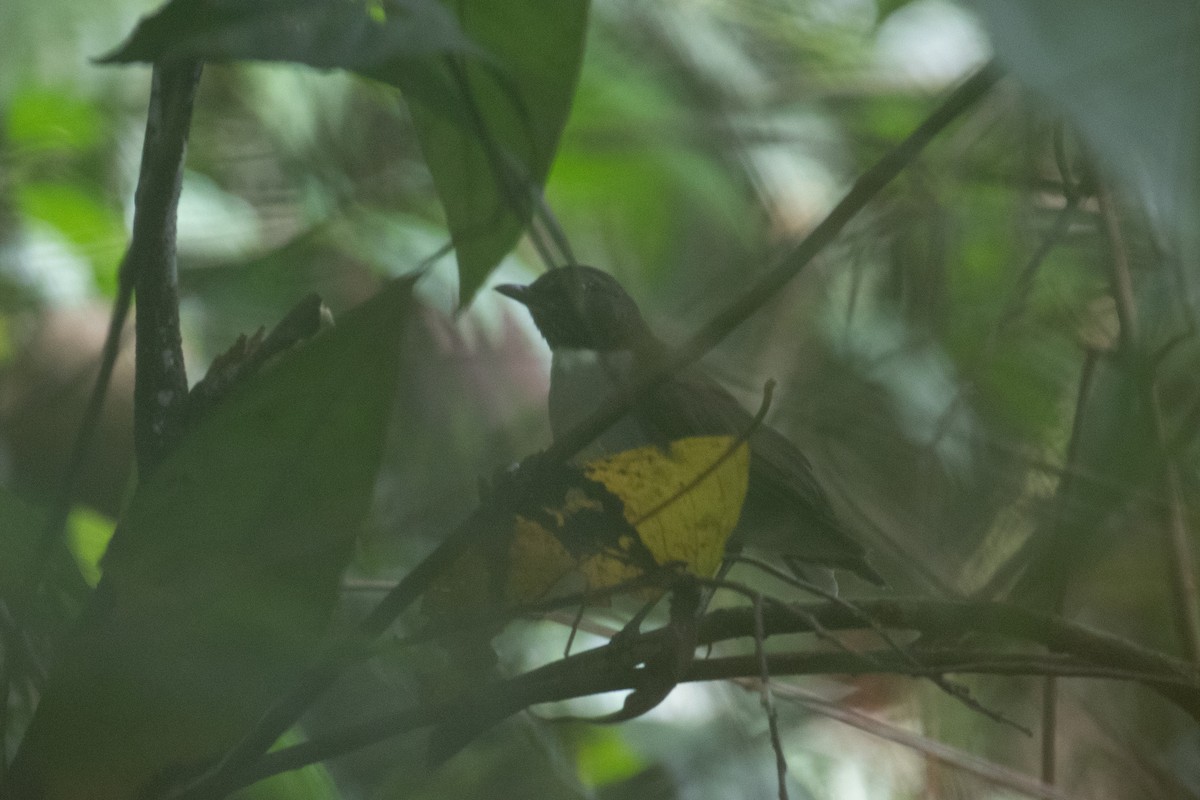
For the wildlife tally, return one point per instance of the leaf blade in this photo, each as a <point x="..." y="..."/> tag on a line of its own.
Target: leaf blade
<point x="223" y="573"/>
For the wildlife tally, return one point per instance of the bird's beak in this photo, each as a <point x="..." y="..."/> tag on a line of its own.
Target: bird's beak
<point x="516" y="291"/>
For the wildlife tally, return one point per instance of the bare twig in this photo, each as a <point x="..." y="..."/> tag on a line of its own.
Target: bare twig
<point x="1049" y="730"/>
<point x="574" y="628"/>
<point x="1024" y="286"/>
<point x="768" y="702"/>
<point x="56" y="522"/>
<point x="1120" y="279"/>
<point x="951" y="689"/>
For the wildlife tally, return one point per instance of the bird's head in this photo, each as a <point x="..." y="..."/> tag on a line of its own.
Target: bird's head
<point x="582" y="308"/>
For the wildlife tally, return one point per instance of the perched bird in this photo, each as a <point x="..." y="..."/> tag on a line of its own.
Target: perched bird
<point x="601" y="345"/>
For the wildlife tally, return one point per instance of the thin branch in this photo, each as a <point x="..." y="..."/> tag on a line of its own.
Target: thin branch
<point x="1182" y="559"/>
<point x="1033" y="551"/>
<point x="952" y="690"/>
<point x="1019" y="296"/>
<point x="1180" y="681"/>
<point x="886" y="663"/>
<point x="56" y="522"/>
<point x="1049" y="730"/>
<point x="766" y="697"/>
<point x="935" y="750"/>
<point x="1119" y="275"/>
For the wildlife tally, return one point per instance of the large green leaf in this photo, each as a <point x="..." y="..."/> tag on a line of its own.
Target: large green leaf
<point x="62" y="587"/>
<point x="490" y="85"/>
<point x="1124" y="74"/>
<point x="400" y="42"/>
<point x="20" y="525"/>
<point x="221" y="577"/>
<point x="344" y="34"/>
<point x="486" y="173"/>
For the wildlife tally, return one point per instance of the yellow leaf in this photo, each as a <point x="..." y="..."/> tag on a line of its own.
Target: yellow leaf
<point x="609" y="521"/>
<point x="684" y="501"/>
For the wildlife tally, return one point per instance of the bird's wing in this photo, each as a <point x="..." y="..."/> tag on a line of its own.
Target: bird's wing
<point x="786" y="510"/>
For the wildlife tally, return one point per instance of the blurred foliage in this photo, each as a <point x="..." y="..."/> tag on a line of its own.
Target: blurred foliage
<point x="932" y="363"/>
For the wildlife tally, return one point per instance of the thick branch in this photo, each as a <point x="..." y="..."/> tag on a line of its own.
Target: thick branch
<point x="1175" y="679"/>
<point x="160" y="388"/>
<point x="1077" y="652"/>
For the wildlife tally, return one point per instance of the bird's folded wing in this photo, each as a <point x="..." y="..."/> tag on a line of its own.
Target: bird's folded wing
<point x="786" y="510"/>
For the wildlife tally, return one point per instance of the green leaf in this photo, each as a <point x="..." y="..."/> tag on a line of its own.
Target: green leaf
<point x="88" y="535"/>
<point x="49" y="119"/>
<point x="490" y="89"/>
<point x="617" y="155"/>
<point x="45" y="620"/>
<point x="603" y="757"/>
<point x="19" y="529"/>
<point x="221" y="577"/>
<point x="345" y="34"/>
<point x="96" y="230"/>
<point x="399" y="42"/>
<point x="309" y="783"/>
<point x="486" y="173"/>
<point x="885" y="8"/>
<point x="1114" y="69"/>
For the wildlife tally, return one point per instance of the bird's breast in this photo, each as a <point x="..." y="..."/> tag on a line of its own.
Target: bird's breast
<point x="580" y="382"/>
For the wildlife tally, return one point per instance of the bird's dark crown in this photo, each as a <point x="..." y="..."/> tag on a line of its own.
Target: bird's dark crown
<point x="584" y="308"/>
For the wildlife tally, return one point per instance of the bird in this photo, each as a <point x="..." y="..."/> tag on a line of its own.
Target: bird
<point x="601" y="345"/>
